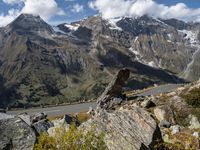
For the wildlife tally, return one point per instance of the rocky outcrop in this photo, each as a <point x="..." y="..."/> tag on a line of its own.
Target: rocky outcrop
<point x="19" y="132"/>
<point x="113" y="93"/>
<point x="16" y="134"/>
<point x="126" y="129"/>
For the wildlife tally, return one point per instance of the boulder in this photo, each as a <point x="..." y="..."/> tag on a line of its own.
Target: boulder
<point x="113" y="90"/>
<point x="37" y="117"/>
<point x="160" y="114"/>
<point x="164" y="113"/>
<point x="25" y="117"/>
<point x="42" y="126"/>
<point x="5" y="116"/>
<point x="133" y="129"/>
<point x="70" y="119"/>
<point x="63" y="123"/>
<point x="16" y="134"/>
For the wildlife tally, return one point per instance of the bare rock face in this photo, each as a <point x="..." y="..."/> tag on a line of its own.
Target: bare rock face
<point x="126" y="129"/>
<point x="113" y="93"/>
<point x="16" y="134"/>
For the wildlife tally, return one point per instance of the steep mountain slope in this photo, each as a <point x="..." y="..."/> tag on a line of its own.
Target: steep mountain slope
<point x="41" y="64"/>
<point x="168" y="44"/>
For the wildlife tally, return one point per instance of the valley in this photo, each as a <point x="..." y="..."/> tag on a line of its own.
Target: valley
<point x="41" y="64"/>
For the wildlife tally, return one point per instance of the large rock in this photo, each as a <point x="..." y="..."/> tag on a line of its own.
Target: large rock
<point x="5" y="116"/>
<point x="63" y="123"/>
<point x="113" y="92"/>
<point x="164" y="113"/>
<point x="16" y="134"/>
<point x="126" y="129"/>
<point x="25" y="117"/>
<point x="42" y="126"/>
<point x="37" y="117"/>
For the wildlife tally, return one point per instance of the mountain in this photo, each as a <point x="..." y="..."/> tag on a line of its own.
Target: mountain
<point x="41" y="64"/>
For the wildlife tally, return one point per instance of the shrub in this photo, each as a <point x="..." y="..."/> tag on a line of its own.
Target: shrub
<point x="193" y="97"/>
<point x="73" y="139"/>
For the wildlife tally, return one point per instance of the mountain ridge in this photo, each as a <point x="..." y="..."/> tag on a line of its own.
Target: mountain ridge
<point x="42" y="65"/>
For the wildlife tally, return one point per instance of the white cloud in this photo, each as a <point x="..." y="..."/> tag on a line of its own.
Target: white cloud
<point x="12" y="1"/>
<point x="45" y="8"/>
<point x="77" y="8"/>
<point x="6" y="19"/>
<point x="135" y="8"/>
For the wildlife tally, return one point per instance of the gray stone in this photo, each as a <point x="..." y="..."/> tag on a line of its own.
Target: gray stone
<point x="25" y="117"/>
<point x="37" y="117"/>
<point x="2" y="110"/>
<point x="175" y="129"/>
<point x="91" y="111"/>
<point x="114" y="89"/>
<point x="164" y="113"/>
<point x="16" y="134"/>
<point x="164" y="124"/>
<point x="5" y="116"/>
<point x="126" y="129"/>
<point x="71" y="119"/>
<point x="147" y="104"/>
<point x="42" y="126"/>
<point x="196" y="134"/>
<point x="194" y="122"/>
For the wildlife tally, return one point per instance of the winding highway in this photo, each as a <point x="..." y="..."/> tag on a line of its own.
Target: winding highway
<point x="76" y="108"/>
<point x="59" y="110"/>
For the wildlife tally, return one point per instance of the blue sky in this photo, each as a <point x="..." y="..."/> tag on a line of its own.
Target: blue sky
<point x="59" y="11"/>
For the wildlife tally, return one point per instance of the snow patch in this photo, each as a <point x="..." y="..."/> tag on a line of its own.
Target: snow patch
<point x="73" y="27"/>
<point x="113" y="25"/>
<point x="134" y="51"/>
<point x="190" y="36"/>
<point x="152" y="64"/>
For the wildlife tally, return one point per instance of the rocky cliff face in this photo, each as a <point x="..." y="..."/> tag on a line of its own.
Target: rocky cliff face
<point x="40" y="64"/>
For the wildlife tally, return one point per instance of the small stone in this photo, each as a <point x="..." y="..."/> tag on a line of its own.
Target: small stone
<point x="194" y="122"/>
<point x="91" y="111"/>
<point x="164" y="124"/>
<point x="195" y="134"/>
<point x="147" y="104"/>
<point x="175" y="129"/>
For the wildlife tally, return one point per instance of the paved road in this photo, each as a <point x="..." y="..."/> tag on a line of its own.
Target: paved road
<point x="160" y="89"/>
<point x="61" y="110"/>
